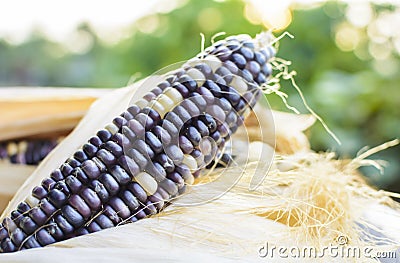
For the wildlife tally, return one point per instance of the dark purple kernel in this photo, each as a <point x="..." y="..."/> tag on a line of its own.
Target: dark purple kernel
<point x="130" y="200"/>
<point x="165" y="162"/>
<point x="17" y="236"/>
<point x="133" y="110"/>
<point x="100" y="190"/>
<point x="80" y="174"/>
<point x="119" y="122"/>
<point x="149" y="96"/>
<point x="259" y="58"/>
<point x="182" y="113"/>
<point x="72" y="216"/>
<point x="104" y="222"/>
<point x="47" y="207"/>
<point x="209" y="121"/>
<point x="188" y="82"/>
<point x="80" y="205"/>
<point x="112" y="214"/>
<point x="223" y="130"/>
<point x="157" y="200"/>
<point x="156" y="171"/>
<point x="225" y="73"/>
<point x="169" y="186"/>
<point x="150" y="209"/>
<point x="66" y="169"/>
<point x="225" y="105"/>
<point x="157" y="91"/>
<point x="206" y="95"/>
<point x="162" y="135"/>
<point x="109" y="183"/>
<point x="193" y="135"/>
<point x="127" y="116"/>
<point x="57" y="197"/>
<point x="144" y="149"/>
<point x="95" y="141"/>
<point x="261" y="79"/>
<point x="28" y="225"/>
<point x="113" y="148"/>
<point x="204" y="68"/>
<point x="74" y="184"/>
<point x="163" y="85"/>
<point x="145" y="120"/>
<point x="94" y="227"/>
<point x="120" y="207"/>
<point x="128" y="133"/>
<point x="175" y="153"/>
<point x="91" y="199"/>
<point x="39" y="192"/>
<point x="169" y="127"/>
<point x="216" y="137"/>
<point x="31" y="243"/>
<point x="231" y="118"/>
<point x="90" y="169"/>
<point x="137" y="191"/>
<point x="192" y="108"/>
<point x="38" y="215"/>
<point x="129" y="165"/>
<point x="89" y="149"/>
<point x="154" y="143"/>
<point x="266" y="69"/>
<point x="247" y="53"/>
<point x="16" y="216"/>
<point x="138" y="158"/>
<point x="104" y="135"/>
<point x="80" y="155"/>
<point x="106" y="157"/>
<point x="120" y="175"/>
<point x="232" y="95"/>
<point x="7" y="245"/>
<point x="240" y="106"/>
<point x="81" y="232"/>
<point x="198" y="100"/>
<point x="223" y="53"/>
<point x="182" y="89"/>
<point x="153" y="114"/>
<point x="64" y="225"/>
<point x="176" y="178"/>
<point x="174" y="118"/>
<point x="48" y="183"/>
<point x="62" y="187"/>
<point x="44" y="237"/>
<point x="239" y="60"/>
<point x="247" y="76"/>
<point x="73" y="162"/>
<point x="213" y="87"/>
<point x="253" y="67"/>
<point x="22" y="208"/>
<point x="185" y="144"/>
<point x="231" y="67"/>
<point x="119" y="139"/>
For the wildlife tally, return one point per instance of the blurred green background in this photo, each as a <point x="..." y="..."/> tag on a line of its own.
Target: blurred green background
<point x="346" y="56"/>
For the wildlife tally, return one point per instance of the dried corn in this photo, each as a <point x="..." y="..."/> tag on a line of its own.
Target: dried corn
<point x="148" y="154"/>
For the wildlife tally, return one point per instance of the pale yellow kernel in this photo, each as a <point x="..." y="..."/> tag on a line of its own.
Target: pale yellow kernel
<point x="190" y="161"/>
<point x="142" y="103"/>
<point x="147" y="182"/>
<point x="22" y="146"/>
<point x="213" y="62"/>
<point x="112" y="128"/>
<point x="32" y="201"/>
<point x="239" y="85"/>
<point x="12" y="148"/>
<point x="246" y="112"/>
<point x="196" y="75"/>
<point x="155" y="105"/>
<point x="166" y="102"/>
<point x="174" y="95"/>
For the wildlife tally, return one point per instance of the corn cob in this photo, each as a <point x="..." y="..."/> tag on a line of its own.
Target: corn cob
<point x="148" y="154"/>
<point x="30" y="152"/>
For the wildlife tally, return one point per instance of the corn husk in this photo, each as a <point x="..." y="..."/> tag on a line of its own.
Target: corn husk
<point x="30" y="112"/>
<point x="304" y="199"/>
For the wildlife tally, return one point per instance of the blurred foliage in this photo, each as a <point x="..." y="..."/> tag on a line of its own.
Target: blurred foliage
<point x="353" y="95"/>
